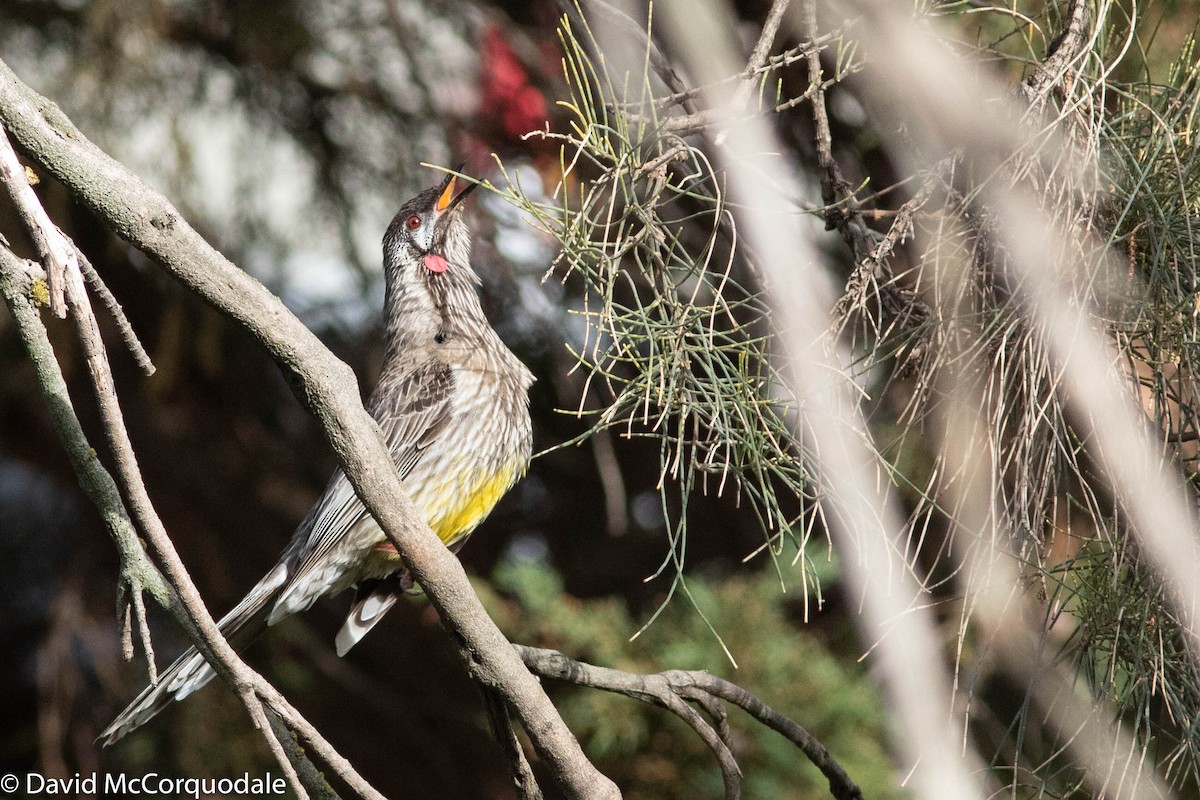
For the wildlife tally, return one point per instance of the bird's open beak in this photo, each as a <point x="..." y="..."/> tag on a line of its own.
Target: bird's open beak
<point x="448" y="199"/>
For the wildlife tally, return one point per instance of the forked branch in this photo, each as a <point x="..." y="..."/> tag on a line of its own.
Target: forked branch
<point x="674" y="690"/>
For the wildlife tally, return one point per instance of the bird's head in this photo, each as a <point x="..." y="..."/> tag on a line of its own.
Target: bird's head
<point x="428" y="237"/>
<point x="431" y="288"/>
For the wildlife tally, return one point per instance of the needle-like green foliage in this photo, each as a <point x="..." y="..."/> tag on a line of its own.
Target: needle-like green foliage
<point x="676" y="337"/>
<point x="677" y="343"/>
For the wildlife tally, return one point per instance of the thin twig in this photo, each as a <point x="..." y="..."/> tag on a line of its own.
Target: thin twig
<point x="500" y="722"/>
<point x="671" y="688"/>
<point x="669" y="698"/>
<point x="51" y="240"/>
<point x="312" y="778"/>
<point x="696" y="122"/>
<point x="138" y="573"/>
<point x="907" y="306"/>
<point x="783" y="59"/>
<point x="312" y="740"/>
<point x="55" y="257"/>
<point x="607" y="14"/>
<point x="139" y="613"/>
<point x="762" y="49"/>
<point x="125" y="613"/>
<point x="1064" y="50"/>
<point x="222" y="656"/>
<point x="97" y="285"/>
<point x="841" y="208"/>
<point x="759" y="59"/>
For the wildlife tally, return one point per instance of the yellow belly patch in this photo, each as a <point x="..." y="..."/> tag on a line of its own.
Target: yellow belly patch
<point x="452" y="513"/>
<point x="456" y="516"/>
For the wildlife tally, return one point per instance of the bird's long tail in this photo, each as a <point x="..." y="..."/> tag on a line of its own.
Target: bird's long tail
<point x="190" y="671"/>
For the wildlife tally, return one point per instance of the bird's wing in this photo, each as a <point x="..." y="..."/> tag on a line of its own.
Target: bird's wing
<point x="412" y="410"/>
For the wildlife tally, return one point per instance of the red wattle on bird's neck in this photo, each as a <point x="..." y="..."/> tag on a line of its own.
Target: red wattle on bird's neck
<point x="435" y="263"/>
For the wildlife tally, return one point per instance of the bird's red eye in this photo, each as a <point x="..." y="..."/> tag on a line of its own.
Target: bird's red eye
<point x="414" y="222"/>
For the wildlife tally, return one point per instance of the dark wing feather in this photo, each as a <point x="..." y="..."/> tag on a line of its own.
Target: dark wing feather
<point x="412" y="411"/>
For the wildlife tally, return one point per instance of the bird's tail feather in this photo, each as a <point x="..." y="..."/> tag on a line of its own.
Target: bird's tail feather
<point x="191" y="671"/>
<point x="373" y="601"/>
